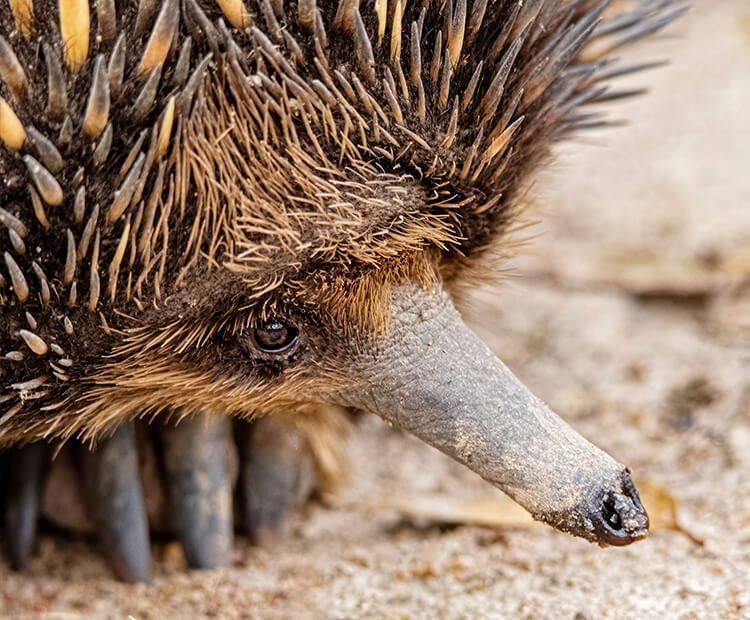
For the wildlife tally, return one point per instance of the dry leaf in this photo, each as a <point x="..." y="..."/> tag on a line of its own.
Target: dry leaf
<point x="662" y="508"/>
<point x="489" y="511"/>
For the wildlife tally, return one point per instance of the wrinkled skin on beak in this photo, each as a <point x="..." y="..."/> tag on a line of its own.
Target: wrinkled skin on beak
<point x="432" y="376"/>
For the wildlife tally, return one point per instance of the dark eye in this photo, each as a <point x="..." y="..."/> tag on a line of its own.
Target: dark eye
<point x="275" y="335"/>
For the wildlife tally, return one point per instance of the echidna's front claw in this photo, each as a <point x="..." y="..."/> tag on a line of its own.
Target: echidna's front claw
<point x="25" y="474"/>
<point x="115" y="497"/>
<point x="171" y="478"/>
<point x="196" y="461"/>
<point x="277" y="474"/>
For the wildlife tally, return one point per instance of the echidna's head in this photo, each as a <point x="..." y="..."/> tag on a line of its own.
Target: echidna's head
<point x="259" y="216"/>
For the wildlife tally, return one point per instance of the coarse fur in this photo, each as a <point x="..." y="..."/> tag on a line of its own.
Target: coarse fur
<point x="174" y="171"/>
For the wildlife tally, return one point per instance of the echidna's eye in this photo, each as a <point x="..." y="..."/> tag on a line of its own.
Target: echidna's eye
<point x="274" y="335"/>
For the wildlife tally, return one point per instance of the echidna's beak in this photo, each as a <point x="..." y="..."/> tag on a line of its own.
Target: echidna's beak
<point x="431" y="375"/>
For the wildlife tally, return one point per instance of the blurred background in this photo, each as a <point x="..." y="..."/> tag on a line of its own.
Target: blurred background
<point x="629" y="313"/>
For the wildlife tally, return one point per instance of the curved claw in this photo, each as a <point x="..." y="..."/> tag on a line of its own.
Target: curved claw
<point x="26" y="470"/>
<point x="277" y="474"/>
<point x="115" y="498"/>
<point x="184" y="473"/>
<point x="199" y="487"/>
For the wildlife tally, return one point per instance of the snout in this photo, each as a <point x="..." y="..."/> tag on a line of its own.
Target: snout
<point x="609" y="512"/>
<point x="433" y="377"/>
<point x="619" y="518"/>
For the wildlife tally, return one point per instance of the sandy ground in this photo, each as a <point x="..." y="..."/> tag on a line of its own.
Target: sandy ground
<point x="630" y="316"/>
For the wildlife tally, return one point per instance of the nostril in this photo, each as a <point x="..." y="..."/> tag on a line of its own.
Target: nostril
<point x="610" y="514"/>
<point x="619" y="517"/>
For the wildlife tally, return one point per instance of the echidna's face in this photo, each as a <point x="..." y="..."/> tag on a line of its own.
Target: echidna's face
<point x="258" y="217"/>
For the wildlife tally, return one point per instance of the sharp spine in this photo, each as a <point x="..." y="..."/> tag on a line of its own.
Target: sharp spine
<point x="236" y="13"/>
<point x="161" y="38"/>
<point x="272" y="24"/>
<point x="114" y="266"/>
<point x="436" y="58"/>
<point x="57" y="95"/>
<point x="78" y="177"/>
<point x="31" y="321"/>
<point x="146" y="10"/>
<point x="44" y="285"/>
<point x="457" y="30"/>
<point x="34" y="342"/>
<point x="11" y="128"/>
<point x="204" y="26"/>
<point x="415" y="55"/>
<point x="70" y="258"/>
<point x="165" y="128"/>
<point x="13" y="223"/>
<point x="364" y="48"/>
<point x="73" y="295"/>
<point x="46" y="150"/>
<point x="38" y="206"/>
<point x="469" y="92"/>
<point x="478" y="9"/>
<point x="450" y="134"/>
<point x="103" y="147"/>
<point x="381" y="9"/>
<point x="396" y="34"/>
<point x="88" y="231"/>
<point x="186" y="96"/>
<point x="116" y="68"/>
<point x="445" y="81"/>
<point x="49" y="188"/>
<point x="134" y="152"/>
<point x="146" y="97"/>
<point x="490" y="101"/>
<point x="182" y="67"/>
<point x="393" y="102"/>
<point x="17" y="242"/>
<point x="74" y="29"/>
<point x="11" y="71"/>
<point x="66" y="133"/>
<point x="97" y="109"/>
<point x="95" y="284"/>
<point x="23" y="14"/>
<point x="125" y="192"/>
<point x="106" y="14"/>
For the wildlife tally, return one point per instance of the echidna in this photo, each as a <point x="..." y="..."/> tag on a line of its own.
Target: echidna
<point x="211" y="209"/>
